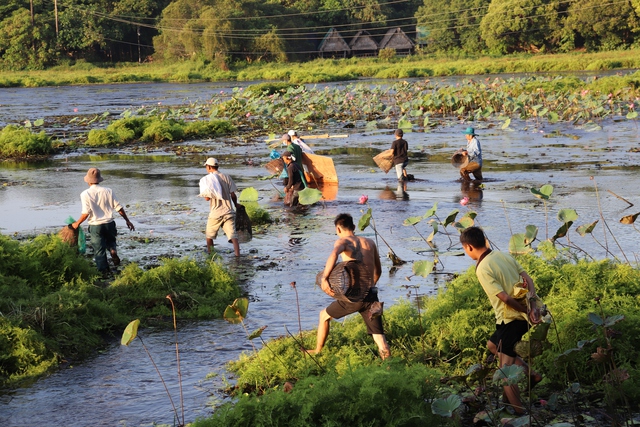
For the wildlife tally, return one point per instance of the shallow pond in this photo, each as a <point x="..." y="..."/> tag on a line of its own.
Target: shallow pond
<point x="120" y="387"/>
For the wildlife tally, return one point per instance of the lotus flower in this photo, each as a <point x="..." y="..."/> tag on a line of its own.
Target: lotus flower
<point x="464" y="201"/>
<point x="363" y="199"/>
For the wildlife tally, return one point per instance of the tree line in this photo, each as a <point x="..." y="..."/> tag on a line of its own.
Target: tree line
<point x="36" y="34"/>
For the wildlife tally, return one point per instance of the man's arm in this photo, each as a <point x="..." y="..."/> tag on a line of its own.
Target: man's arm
<point x="511" y="302"/>
<point x="234" y="199"/>
<point x="123" y="214"/>
<point x="529" y="281"/>
<point x="80" y="220"/>
<point x="338" y="248"/>
<point x="378" y="267"/>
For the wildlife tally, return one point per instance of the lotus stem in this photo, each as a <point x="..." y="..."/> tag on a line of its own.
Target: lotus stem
<point x="175" y="331"/>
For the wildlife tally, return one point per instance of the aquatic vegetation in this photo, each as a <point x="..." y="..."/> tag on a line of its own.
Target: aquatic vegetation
<point x="391" y="394"/>
<point x="54" y="305"/>
<point x="18" y="141"/>
<point x="198" y="291"/>
<point x="156" y="129"/>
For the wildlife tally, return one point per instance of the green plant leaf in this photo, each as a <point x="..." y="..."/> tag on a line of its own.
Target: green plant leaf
<point x="422" y="268"/>
<point x="506" y="123"/>
<point x="249" y="195"/>
<point x="632" y="114"/>
<point x="432" y="211"/>
<point x="544" y="192"/>
<point x="517" y="245"/>
<point x="629" y="219"/>
<point x="413" y="220"/>
<point x="612" y="320"/>
<point x="130" y="332"/>
<point x="530" y="234"/>
<point x="595" y="319"/>
<point x="587" y="228"/>
<point x="309" y="196"/>
<point x="464" y="223"/>
<point x="38" y="122"/>
<point x="236" y="312"/>
<point x="562" y="231"/>
<point x="451" y="217"/>
<point x="365" y="220"/>
<point x="445" y="407"/>
<point x="257" y="332"/>
<point x="567" y="215"/>
<point x="509" y="374"/>
<point x="405" y="124"/>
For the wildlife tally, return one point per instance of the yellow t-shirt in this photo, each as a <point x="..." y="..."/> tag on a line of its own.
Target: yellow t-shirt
<point x="498" y="272"/>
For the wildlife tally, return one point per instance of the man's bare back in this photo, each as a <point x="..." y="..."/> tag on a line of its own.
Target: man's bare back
<point x="367" y="253"/>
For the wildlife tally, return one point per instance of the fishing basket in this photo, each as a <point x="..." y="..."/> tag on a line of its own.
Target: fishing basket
<point x="384" y="160"/>
<point x="69" y="235"/>
<point x="243" y="225"/>
<point x="275" y="166"/>
<point x="459" y="160"/>
<point x="350" y="281"/>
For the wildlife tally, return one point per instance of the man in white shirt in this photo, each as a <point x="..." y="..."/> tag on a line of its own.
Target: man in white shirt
<point x="220" y="191"/>
<point x="98" y="206"/>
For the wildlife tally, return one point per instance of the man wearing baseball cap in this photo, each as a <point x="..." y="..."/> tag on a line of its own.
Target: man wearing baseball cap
<point x="297" y="140"/>
<point x="220" y="191"/>
<point x="98" y="205"/>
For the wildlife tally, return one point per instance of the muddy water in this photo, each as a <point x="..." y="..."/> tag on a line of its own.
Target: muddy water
<point x="120" y="386"/>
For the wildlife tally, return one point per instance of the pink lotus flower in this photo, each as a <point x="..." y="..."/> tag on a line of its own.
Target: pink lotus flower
<point x="464" y="201"/>
<point x="248" y="115"/>
<point x="363" y="199"/>
<point x="75" y="110"/>
<point x="631" y="106"/>
<point x="543" y="402"/>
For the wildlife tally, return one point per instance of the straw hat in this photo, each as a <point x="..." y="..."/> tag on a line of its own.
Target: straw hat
<point x="93" y="176"/>
<point x="350" y="281"/>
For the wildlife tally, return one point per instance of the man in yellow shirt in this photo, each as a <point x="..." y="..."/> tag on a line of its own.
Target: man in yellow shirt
<point x="499" y="273"/>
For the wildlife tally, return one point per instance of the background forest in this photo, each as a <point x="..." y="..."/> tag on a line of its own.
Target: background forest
<point x="35" y="34"/>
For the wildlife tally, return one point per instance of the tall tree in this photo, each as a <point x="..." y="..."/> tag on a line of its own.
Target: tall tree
<point x="26" y="46"/>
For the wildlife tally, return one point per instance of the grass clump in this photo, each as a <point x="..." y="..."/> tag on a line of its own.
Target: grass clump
<point x="198" y="291"/>
<point x="16" y="141"/>
<point x="391" y="394"/>
<point x="155" y="129"/>
<point x="269" y="88"/>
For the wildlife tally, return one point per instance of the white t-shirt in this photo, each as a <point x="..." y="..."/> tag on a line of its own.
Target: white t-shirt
<point x="100" y="203"/>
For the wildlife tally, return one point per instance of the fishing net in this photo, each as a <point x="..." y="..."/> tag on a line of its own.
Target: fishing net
<point x="384" y="160"/>
<point x="275" y="166"/>
<point x="350" y="281"/>
<point x="459" y="160"/>
<point x="243" y="225"/>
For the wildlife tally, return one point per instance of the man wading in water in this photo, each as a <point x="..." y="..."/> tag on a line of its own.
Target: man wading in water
<point x="363" y="250"/>
<point x="98" y="205"/>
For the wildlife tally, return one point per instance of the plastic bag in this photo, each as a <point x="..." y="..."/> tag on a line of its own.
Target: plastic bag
<point x="274" y="155"/>
<point x="82" y="242"/>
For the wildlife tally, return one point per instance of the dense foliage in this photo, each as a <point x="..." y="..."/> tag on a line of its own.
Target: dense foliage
<point x="449" y="331"/>
<point x="17" y="141"/>
<point x="221" y="33"/>
<point x="55" y="307"/>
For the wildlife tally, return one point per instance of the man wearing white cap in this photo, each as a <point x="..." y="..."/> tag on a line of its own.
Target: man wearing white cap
<point x="98" y="205"/>
<point x="220" y="191"/>
<point x="297" y="140"/>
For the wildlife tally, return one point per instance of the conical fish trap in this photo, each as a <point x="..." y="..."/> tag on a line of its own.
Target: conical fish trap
<point x="459" y="160"/>
<point x="275" y="166"/>
<point x="350" y="281"/>
<point x="243" y="225"/>
<point x="384" y="160"/>
<point x="69" y="235"/>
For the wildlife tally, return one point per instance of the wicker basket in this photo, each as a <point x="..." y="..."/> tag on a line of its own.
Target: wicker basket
<point x="243" y="225"/>
<point x="350" y="281"/>
<point x="384" y="160"/>
<point x="69" y="235"/>
<point x="459" y="160"/>
<point x="275" y="166"/>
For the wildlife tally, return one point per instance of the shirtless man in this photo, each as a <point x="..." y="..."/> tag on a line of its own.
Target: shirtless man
<point x="352" y="247"/>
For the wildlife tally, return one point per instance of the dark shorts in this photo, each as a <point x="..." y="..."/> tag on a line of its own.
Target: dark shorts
<point x="339" y="309"/>
<point x="507" y="336"/>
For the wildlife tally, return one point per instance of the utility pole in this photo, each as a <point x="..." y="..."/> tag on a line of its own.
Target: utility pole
<point x="139" y="56"/>
<point x="55" y="9"/>
<point x="33" y="22"/>
<point x="33" y="27"/>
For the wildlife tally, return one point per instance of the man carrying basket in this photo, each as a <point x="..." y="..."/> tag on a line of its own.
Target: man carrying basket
<point x="352" y="284"/>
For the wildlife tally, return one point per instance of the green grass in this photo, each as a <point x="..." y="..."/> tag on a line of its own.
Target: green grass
<point x="323" y="70"/>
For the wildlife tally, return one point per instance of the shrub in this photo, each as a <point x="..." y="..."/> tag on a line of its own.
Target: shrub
<point x="389" y="395"/>
<point x="16" y="141"/>
<point x="387" y="53"/>
<point x="269" y="88"/>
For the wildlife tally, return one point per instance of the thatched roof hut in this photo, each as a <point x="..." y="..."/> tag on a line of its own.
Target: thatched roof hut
<point x="363" y="44"/>
<point x="333" y="43"/>
<point x="398" y="40"/>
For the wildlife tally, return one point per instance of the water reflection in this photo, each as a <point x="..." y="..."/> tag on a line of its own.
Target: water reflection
<point x="400" y="193"/>
<point x="472" y="190"/>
